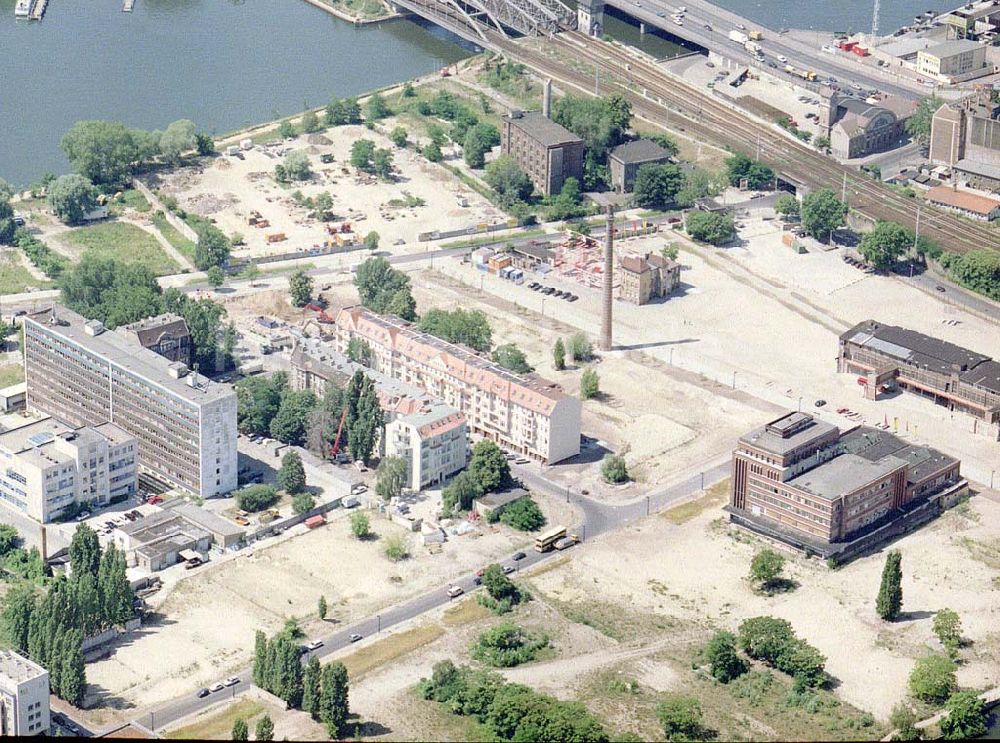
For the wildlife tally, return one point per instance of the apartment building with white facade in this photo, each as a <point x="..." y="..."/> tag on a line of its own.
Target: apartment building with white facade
<point x="48" y="469"/>
<point x="24" y="696"/>
<point x="82" y="374"/>
<point x="521" y="412"/>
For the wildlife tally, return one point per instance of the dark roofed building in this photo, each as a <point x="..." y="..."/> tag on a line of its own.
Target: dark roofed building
<point x="857" y="128"/>
<point x="167" y="335"/>
<point x="548" y="152"/>
<point x="625" y="160"/>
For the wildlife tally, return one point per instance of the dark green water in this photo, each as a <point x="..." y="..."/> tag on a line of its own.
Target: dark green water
<point x="224" y="64"/>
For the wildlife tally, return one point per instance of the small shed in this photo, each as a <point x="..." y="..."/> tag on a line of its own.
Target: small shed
<point x="315" y="521"/>
<point x="13" y="398"/>
<point x="496" y="502"/>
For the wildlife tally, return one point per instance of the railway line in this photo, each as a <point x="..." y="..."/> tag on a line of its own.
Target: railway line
<point x="668" y="100"/>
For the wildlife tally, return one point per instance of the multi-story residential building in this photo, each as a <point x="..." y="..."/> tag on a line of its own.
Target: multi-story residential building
<point x="802" y="480"/>
<point x="548" y="152"/>
<point x="887" y="357"/>
<point x="523" y="412"/>
<point x="24" y="696"/>
<point x="168" y="335"/>
<point x="431" y="436"/>
<point x="48" y="469"/>
<point x="82" y="374"/>
<point x="625" y="160"/>
<point x="643" y="278"/>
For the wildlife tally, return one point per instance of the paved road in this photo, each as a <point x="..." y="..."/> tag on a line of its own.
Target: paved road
<point x="956" y="295"/>
<point x="598" y="518"/>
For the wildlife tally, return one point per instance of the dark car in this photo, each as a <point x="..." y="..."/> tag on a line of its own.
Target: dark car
<point x="20" y="313"/>
<point x="534" y="285"/>
<point x="477" y="580"/>
<point x="548" y="290"/>
<point x="820" y="403"/>
<point x="519" y="556"/>
<point x="939" y="288"/>
<point x="572" y="298"/>
<point x="203" y="693"/>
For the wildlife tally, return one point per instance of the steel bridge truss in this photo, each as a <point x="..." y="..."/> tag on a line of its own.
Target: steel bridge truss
<point x="528" y="17"/>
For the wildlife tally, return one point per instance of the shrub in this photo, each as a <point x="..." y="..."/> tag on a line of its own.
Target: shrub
<point x="394" y="547"/>
<point x="508" y="645"/>
<point x="933" y="678"/>
<point x="302" y="502"/>
<point x="580" y="348"/>
<point x="614" y="470"/>
<point x="774" y="642"/>
<point x="680" y="717"/>
<point x="360" y="525"/>
<point x="590" y="384"/>
<point x="524" y="515"/>
<point x="966" y="717"/>
<point x="725" y="663"/>
<point x="256" y="497"/>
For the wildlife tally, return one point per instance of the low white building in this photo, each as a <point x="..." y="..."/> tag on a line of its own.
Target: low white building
<point x="48" y="468"/>
<point x="954" y="61"/>
<point x="434" y="442"/>
<point x="24" y="696"/>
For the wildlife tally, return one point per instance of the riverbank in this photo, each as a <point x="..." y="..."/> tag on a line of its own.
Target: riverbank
<point x="333" y="8"/>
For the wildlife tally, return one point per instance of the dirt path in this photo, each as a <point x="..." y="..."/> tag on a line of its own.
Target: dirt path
<point x="173" y="252"/>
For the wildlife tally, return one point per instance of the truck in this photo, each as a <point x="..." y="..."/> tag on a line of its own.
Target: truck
<point x="738" y="36"/>
<point x="753" y="47"/>
<point x="756" y="35"/>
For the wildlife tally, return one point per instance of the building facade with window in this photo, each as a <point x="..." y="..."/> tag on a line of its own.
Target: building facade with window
<point x="24" y="696"/>
<point x="85" y="375"/>
<point x="167" y="335"/>
<point x="546" y="151"/>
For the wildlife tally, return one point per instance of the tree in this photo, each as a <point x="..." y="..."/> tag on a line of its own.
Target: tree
<point x="264" y="729"/>
<point x="251" y="273"/>
<point x="378" y="282"/>
<point x="655" y="186"/>
<point x="698" y="184"/>
<point x="84" y="551"/>
<point x="398" y="137"/>
<point x="966" y="717"/>
<point x="714" y="228"/>
<point x="300" y="288"/>
<point x="903" y="721"/>
<point x="590" y="384"/>
<point x="286" y="130"/>
<point x="176" y="139"/>
<point x="73" y="672"/>
<point x="8" y="539"/>
<point x="739" y="167"/>
<point x="460" y="492"/>
<point x="258" y="400"/>
<point x="765" y="638"/>
<point x="334" y="702"/>
<point x="289" y="423"/>
<point x="432" y="151"/>
<point x="918" y="125"/>
<point x="948" y="628"/>
<point x="473" y="150"/>
<point x="602" y="123"/>
<point x="489" y="466"/>
<point x="382" y="164"/>
<point x="890" y="592"/>
<point x="371" y="240"/>
<point x="510" y="184"/>
<point x="114" y="293"/>
<point x="511" y="357"/>
<point x="391" y="477"/>
<point x="377" y="108"/>
<point x="204" y="144"/>
<point x="310" y="122"/>
<point x="580" y="348"/>
<point x="765" y="569"/>
<point x="787" y="206"/>
<point x="403" y="305"/>
<point x="724" y="662"/>
<point x="7" y="226"/>
<point x="359" y="351"/>
<point x="213" y="247"/>
<point x="16" y="612"/>
<point x="559" y="355"/>
<point x="933" y="678"/>
<point x="362" y="152"/>
<point x="360" y="525"/>
<point x="614" y="469"/>
<point x="240" y="731"/>
<point x="104" y="152"/>
<point x="394" y="547"/>
<point x="978" y="270"/>
<point x="883" y="246"/>
<point x="256" y="497"/>
<point x="498" y="585"/>
<point x="311" y="684"/>
<point x="292" y="475"/>
<point x="523" y="515"/>
<point x="302" y="502"/>
<point x="297" y="166"/>
<point x="822" y="213"/>
<point x="72" y="197"/>
<point x="321" y="608"/>
<point x="507" y="645"/>
<point x="115" y="592"/>
<point x="680" y="717"/>
<point x="215" y="276"/>
<point x="364" y="417"/>
<point x="468" y="327"/>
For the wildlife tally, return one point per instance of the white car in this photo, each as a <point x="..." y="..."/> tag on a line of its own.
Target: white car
<point x="216" y="687"/>
<point x="455" y="591"/>
<point x="783" y="59"/>
<point x="315" y="645"/>
<point x="232" y="681"/>
<point x="83" y="515"/>
<point x="678" y="21"/>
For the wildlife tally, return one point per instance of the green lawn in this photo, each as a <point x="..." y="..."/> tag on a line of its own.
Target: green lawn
<point x="11" y="374"/>
<point x="364" y="9"/>
<point x="219" y="725"/>
<point x="184" y="246"/>
<point x="125" y="242"/>
<point x="15" y="278"/>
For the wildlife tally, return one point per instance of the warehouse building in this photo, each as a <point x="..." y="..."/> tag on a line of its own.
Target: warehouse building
<point x="548" y="152"/>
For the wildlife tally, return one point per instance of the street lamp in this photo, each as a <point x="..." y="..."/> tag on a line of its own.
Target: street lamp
<point x="378" y="624"/>
<point x="647" y="505"/>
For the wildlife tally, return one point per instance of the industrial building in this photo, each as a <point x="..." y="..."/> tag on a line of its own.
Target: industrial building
<point x="547" y="152"/>
<point x="50" y="470"/>
<point x="954" y="61"/>
<point x="642" y="279"/>
<point x="965" y="135"/>
<point x="857" y="128"/>
<point x="966" y="203"/>
<point x="85" y="375"/>
<point x="625" y="160"/>
<point x="887" y="357"/>
<point x="24" y="696"/>
<point x="430" y="435"/>
<point x="522" y="412"/>
<point x="801" y="480"/>
<point x="168" y="335"/>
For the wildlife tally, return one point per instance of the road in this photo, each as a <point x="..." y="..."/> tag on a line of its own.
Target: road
<point x="598" y="518"/>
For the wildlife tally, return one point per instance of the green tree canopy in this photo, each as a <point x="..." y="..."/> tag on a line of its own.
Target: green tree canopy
<point x="489" y="466"/>
<point x="510" y="184"/>
<point x="714" y="228"/>
<point x="362" y="154"/>
<point x="883" y="246"/>
<point x="756" y="174"/>
<point x="766" y="567"/>
<point x="966" y="719"/>
<point x="72" y="197"/>
<point x="559" y="355"/>
<point x="590" y="384"/>
<point x="382" y="163"/>
<point x="822" y="213"/>
<point x="177" y="138"/>
<point x="948" y="628"/>
<point x="289" y="423"/>
<point x="656" y="186"/>
<point x="256" y="497"/>
<point x="613" y="469"/>
<point x="523" y="515"/>
<point x="890" y="592"/>
<point x="258" y="399"/>
<point x="918" y="125"/>
<point x="681" y="718"/>
<point x="360" y="525"/>
<point x="105" y="152"/>
<point x="300" y="288"/>
<point x="292" y="475"/>
<point x="213" y="247"/>
<point x="384" y="289"/>
<point x="460" y="492"/>
<point x="391" y="477"/>
<point x="376" y="108"/>
<point x="468" y="327"/>
<point x="398" y="136"/>
<point x="240" y="731"/>
<point x="724" y="662"/>
<point x="978" y="270"/>
<point x="787" y="205"/>
<point x="932" y="679"/>
<point x="509" y="356"/>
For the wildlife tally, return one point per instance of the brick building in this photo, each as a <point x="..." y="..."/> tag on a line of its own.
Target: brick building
<point x="802" y="480"/>
<point x="167" y="335"/>
<point x="548" y="152"/>
<point x="625" y="160"/>
<point x="644" y="278"/>
<point x="965" y="135"/>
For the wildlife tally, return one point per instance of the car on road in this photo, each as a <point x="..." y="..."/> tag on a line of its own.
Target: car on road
<point x="521" y="460"/>
<point x="572" y="298"/>
<point x="509" y="457"/>
<point x="678" y="21"/>
<point x="455" y="591"/>
<point x="477" y="579"/>
<point x="534" y="285"/>
<point x="314" y="645"/>
<point x="819" y="403"/>
<point x="83" y="515"/>
<point x="660" y="13"/>
<point x="783" y="59"/>
<point x="216" y="687"/>
<point x="741" y="27"/>
<point x="203" y="693"/>
<point x="548" y="290"/>
<point x="939" y="288"/>
<point x="232" y="681"/>
<point x="708" y="27"/>
<point x="72" y="727"/>
<point x="354" y="637"/>
<point x="518" y="556"/>
<point x="508" y="569"/>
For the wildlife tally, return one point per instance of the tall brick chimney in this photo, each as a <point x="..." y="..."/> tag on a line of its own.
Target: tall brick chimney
<point x="547" y="98"/>
<point x="609" y="272"/>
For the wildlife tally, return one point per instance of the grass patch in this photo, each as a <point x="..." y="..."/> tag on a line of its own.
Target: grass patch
<point x="364" y="9"/>
<point x="714" y="497"/>
<point x="613" y="620"/>
<point x="476" y="242"/>
<point x="11" y="374"/>
<point x="986" y="552"/>
<point x="124" y="242"/>
<point x="184" y="246"/>
<point x="219" y="725"/>
<point x="15" y="278"/>
<point x="466" y="612"/>
<point x="130" y="199"/>
<point x="547" y="566"/>
<point x="392" y="647"/>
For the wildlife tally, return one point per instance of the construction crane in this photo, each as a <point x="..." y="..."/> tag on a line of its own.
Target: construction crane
<point x="875" y="12"/>
<point x="321" y="314"/>
<point x="335" y="449"/>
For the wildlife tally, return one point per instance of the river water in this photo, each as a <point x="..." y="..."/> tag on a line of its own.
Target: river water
<point x="226" y="64"/>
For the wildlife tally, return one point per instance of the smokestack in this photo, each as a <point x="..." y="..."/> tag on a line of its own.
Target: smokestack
<point x="609" y="253"/>
<point x="547" y="98"/>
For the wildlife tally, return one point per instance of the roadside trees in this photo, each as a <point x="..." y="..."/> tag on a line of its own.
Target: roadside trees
<point x="371" y="240"/>
<point x="822" y="213"/>
<point x="213" y="247"/>
<point x="883" y="246"/>
<point x="739" y="167"/>
<point x="787" y="206"/>
<point x="292" y="475"/>
<point x="656" y="185"/>
<point x="333" y="698"/>
<point x="523" y="515"/>
<point x="488" y="466"/>
<point x="215" y="276"/>
<point x="714" y="228"/>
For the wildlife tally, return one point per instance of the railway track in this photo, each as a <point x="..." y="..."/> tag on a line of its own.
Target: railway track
<point x="667" y="100"/>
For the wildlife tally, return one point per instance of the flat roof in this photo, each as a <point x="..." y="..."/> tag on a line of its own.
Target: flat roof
<point x="15" y="389"/>
<point x="205" y="518"/>
<point x="977" y="167"/>
<point x="874" y="444"/>
<point x="844" y="474"/>
<point x="951" y="48"/>
<point x="913" y="347"/>
<point x="769" y="438"/>
<point x="17" y="668"/>
<point x="543" y="129"/>
<point x="119" y="351"/>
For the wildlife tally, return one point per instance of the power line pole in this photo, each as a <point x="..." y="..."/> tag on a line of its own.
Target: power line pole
<point x="843" y="189"/>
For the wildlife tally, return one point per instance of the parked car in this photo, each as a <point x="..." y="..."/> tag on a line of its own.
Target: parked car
<point x="203" y="693"/>
<point x="820" y="403"/>
<point x="315" y="645"/>
<point x="939" y="288"/>
<point x="354" y="637"/>
<point x="455" y="591"/>
<point x="521" y="460"/>
<point x="232" y="681"/>
<point x="519" y="556"/>
<point x="508" y="569"/>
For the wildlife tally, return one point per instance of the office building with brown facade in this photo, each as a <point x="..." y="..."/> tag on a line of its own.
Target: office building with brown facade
<point x="803" y="481"/>
<point x="521" y="412"/>
<point x="548" y="152"/>
<point x="85" y="375"/>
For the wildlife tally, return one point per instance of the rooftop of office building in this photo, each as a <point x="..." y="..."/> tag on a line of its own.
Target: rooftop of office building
<point x="17" y="668"/>
<point x="39" y="442"/>
<point x="787" y="433"/>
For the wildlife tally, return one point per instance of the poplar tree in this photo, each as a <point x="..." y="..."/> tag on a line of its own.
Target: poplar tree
<point x="84" y="551"/>
<point x="265" y="729"/>
<point x="890" y="593"/>
<point x="260" y="659"/>
<point x="240" y="731"/>
<point x="334" y="705"/>
<point x="311" y="687"/>
<point x="321" y="607"/>
<point x="73" y="683"/>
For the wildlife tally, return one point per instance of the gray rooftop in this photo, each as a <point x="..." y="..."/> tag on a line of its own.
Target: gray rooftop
<point x="844" y="474"/>
<point x="115" y="348"/>
<point x="640" y="151"/>
<point x="949" y="48"/>
<point x="874" y="444"/>
<point x="985" y="375"/>
<point x="205" y="518"/>
<point x="912" y="347"/>
<point x="978" y="167"/>
<point x="17" y="668"/>
<point x="787" y="433"/>
<point x="543" y="129"/>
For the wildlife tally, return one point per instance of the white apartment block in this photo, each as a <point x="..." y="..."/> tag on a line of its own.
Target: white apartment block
<point x="434" y="443"/>
<point x="47" y="467"/>
<point x="521" y="412"/>
<point x="24" y="696"/>
<point x="83" y="374"/>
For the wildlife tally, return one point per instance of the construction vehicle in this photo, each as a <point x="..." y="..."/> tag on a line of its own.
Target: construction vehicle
<point x="321" y="314"/>
<point x="275" y="237"/>
<point x="335" y="449"/>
